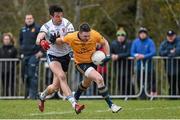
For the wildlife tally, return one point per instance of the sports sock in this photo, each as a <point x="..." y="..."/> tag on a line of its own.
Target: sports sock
<point x="104" y="92"/>
<point x="44" y="94"/>
<point x="72" y="100"/>
<point x="79" y="91"/>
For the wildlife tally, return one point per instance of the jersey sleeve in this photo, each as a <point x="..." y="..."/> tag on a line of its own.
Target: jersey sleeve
<point x="70" y="28"/>
<point x="68" y="39"/>
<point x="44" y="28"/>
<point x="99" y="37"/>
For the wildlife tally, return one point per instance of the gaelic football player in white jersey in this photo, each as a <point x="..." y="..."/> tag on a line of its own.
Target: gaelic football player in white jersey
<point x="57" y="55"/>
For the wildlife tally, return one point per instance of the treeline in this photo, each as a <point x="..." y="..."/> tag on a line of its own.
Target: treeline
<point x="105" y="16"/>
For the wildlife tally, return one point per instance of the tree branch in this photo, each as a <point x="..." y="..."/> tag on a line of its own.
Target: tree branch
<point x="89" y="6"/>
<point x="109" y="17"/>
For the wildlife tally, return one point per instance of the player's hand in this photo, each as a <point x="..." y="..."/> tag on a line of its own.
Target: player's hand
<point x="52" y="38"/>
<point x="44" y="44"/>
<point x="105" y="60"/>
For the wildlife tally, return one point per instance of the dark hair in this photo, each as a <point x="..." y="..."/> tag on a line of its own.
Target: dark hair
<point x="28" y="15"/>
<point x="54" y="8"/>
<point x="84" y="27"/>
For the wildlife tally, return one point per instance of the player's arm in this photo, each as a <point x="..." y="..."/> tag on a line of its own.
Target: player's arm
<point x="40" y="36"/>
<point x="64" y="39"/>
<point x="40" y="40"/>
<point x="106" y="47"/>
<point x="60" y="40"/>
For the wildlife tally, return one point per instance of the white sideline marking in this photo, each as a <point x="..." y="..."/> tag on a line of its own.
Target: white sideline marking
<point x="60" y="113"/>
<point x="100" y="111"/>
<point x="51" y="113"/>
<point x="152" y="108"/>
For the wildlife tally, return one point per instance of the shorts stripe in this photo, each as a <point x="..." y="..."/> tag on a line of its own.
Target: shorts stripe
<point x="48" y="59"/>
<point x="79" y="69"/>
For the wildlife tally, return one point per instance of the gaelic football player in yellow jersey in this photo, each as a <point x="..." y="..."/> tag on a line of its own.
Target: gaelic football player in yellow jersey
<point x="83" y="43"/>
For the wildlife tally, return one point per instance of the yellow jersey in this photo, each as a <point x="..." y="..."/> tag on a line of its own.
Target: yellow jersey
<point x="83" y="50"/>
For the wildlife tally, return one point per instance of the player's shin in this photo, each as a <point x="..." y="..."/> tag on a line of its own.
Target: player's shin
<point x="72" y="100"/>
<point x="104" y="92"/>
<point x="79" y="91"/>
<point x="49" y="90"/>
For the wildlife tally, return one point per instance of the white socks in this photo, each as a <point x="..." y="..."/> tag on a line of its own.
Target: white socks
<point x="72" y="100"/>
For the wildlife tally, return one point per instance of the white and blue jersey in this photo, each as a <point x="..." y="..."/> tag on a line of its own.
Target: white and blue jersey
<point x="64" y="28"/>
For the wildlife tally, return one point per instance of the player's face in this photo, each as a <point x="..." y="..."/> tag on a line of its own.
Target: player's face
<point x="84" y="36"/>
<point x="29" y="20"/>
<point x="57" y="17"/>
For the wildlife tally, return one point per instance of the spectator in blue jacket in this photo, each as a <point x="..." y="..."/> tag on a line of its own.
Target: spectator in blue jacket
<point x="143" y="49"/>
<point x="170" y="48"/>
<point x="30" y="54"/>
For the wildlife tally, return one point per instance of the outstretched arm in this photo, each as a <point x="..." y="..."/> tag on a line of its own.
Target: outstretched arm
<point x="40" y="40"/>
<point x="107" y="52"/>
<point x="106" y="47"/>
<point x="60" y="40"/>
<point x="40" y="37"/>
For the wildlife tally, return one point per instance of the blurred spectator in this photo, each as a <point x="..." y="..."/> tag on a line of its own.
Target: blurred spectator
<point x="8" y="67"/>
<point x="120" y="51"/>
<point x="30" y="54"/>
<point x="143" y="49"/>
<point x="170" y="47"/>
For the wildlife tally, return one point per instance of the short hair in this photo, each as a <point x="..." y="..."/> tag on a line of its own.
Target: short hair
<point x="84" y="27"/>
<point x="28" y="14"/>
<point x="54" y="8"/>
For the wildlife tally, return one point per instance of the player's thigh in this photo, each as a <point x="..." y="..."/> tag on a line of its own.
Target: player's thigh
<point x="89" y="71"/>
<point x="94" y="75"/>
<point x="57" y="70"/>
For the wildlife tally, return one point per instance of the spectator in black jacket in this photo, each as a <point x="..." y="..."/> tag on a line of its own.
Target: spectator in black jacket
<point x="120" y="51"/>
<point x="30" y="54"/>
<point x="170" y="48"/>
<point x="7" y="68"/>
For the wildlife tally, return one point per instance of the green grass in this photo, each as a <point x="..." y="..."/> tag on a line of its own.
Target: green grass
<point x="95" y="109"/>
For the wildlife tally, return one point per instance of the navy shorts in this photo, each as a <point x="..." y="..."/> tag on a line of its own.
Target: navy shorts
<point x="84" y="66"/>
<point x="64" y="60"/>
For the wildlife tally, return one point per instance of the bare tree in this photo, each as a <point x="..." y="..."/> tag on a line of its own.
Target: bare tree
<point x="139" y="15"/>
<point x="46" y="8"/>
<point x="77" y="13"/>
<point x="78" y="8"/>
<point x="173" y="13"/>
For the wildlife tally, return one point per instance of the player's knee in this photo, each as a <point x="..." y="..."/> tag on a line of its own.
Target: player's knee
<point x="99" y="80"/>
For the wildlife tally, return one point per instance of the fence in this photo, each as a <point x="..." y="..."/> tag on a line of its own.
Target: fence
<point x="124" y="79"/>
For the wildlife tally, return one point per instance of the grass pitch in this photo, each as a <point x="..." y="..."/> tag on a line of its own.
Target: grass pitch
<point x="95" y="109"/>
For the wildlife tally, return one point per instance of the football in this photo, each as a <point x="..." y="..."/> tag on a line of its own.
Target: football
<point x="97" y="57"/>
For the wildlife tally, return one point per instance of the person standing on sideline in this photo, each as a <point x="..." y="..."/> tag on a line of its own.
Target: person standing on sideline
<point x="30" y="55"/>
<point x="120" y="51"/>
<point x="170" y="48"/>
<point x="58" y="56"/>
<point x="8" y="50"/>
<point x="143" y="49"/>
